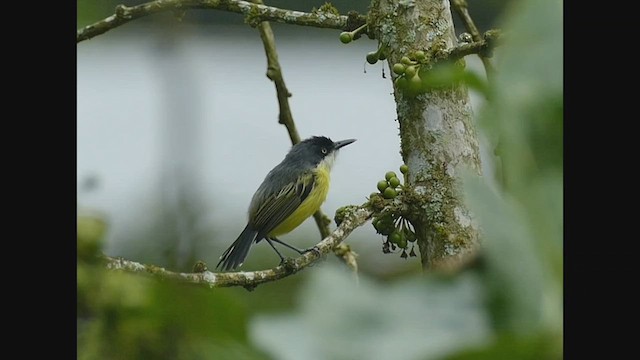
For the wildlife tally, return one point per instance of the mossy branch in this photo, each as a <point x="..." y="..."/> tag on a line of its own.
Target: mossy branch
<point x="254" y="14"/>
<point x="249" y="280"/>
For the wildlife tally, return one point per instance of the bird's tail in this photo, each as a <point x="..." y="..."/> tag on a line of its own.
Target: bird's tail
<point x="234" y="256"/>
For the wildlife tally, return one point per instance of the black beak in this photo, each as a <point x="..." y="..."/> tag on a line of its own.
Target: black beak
<point x="338" y="144"/>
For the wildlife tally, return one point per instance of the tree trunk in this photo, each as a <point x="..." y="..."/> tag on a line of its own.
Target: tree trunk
<point x="438" y="136"/>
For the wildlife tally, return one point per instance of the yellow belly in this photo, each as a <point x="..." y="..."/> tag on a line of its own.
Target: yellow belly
<point x="309" y="206"/>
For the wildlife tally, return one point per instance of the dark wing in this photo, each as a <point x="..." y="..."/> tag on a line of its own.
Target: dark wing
<point x="277" y="207"/>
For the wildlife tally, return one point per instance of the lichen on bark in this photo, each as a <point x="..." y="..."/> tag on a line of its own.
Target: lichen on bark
<point x="437" y="133"/>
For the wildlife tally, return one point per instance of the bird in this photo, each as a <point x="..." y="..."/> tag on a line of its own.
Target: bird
<point x="290" y="193"/>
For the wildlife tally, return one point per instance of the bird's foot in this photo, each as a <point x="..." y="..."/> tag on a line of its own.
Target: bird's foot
<point x="314" y="249"/>
<point x="288" y="263"/>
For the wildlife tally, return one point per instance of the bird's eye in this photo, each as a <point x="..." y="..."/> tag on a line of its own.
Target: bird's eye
<point x="324" y="150"/>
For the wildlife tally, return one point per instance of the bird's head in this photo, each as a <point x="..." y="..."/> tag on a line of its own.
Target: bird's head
<point x="317" y="149"/>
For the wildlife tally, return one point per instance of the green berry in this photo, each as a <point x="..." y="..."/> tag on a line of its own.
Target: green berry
<point x="389" y="193"/>
<point x="372" y="57"/>
<point x="389" y="175"/>
<point x="415" y="84"/>
<point x="398" y="68"/>
<point x="386" y="230"/>
<point x="395" y="237"/>
<point x="402" y="243"/>
<point x="382" y="185"/>
<point x="394" y="182"/>
<point x="410" y="71"/>
<point x="382" y="55"/>
<point x="402" y="83"/>
<point x="405" y="60"/>
<point x="345" y="37"/>
<point x="404" y="168"/>
<point x="419" y="55"/>
<point x="385" y="226"/>
<point x="410" y="235"/>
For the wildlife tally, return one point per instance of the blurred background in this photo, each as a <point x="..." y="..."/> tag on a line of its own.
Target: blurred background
<point x="177" y="127"/>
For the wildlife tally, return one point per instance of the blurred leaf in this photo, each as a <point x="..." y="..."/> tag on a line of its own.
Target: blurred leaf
<point x="508" y="347"/>
<point x="515" y="276"/>
<point x="521" y="221"/>
<point x="89" y="12"/>
<point x="135" y="317"/>
<point x="526" y="112"/>
<point x="339" y="319"/>
<point x="445" y="73"/>
<point x="90" y="230"/>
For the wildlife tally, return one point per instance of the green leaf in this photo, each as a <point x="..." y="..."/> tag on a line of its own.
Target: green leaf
<point x="525" y="114"/>
<point x="521" y="218"/>
<point x="515" y="274"/>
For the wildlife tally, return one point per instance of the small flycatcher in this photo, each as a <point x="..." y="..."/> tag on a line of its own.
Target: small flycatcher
<point x="291" y="192"/>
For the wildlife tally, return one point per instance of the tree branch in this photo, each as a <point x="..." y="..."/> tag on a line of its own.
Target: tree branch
<point x="487" y="42"/>
<point x="461" y="8"/>
<point x="355" y="218"/>
<point x="437" y="131"/>
<point x="254" y="13"/>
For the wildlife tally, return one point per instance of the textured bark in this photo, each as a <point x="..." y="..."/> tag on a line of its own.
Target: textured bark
<point x="437" y="133"/>
<point x="352" y="218"/>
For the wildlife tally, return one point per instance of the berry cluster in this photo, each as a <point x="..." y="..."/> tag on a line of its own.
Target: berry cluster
<point x="408" y="71"/>
<point x="398" y="234"/>
<point x="373" y="56"/>
<point x="397" y="230"/>
<point x="417" y="74"/>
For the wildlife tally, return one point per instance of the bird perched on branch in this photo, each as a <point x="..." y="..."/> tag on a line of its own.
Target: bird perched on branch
<point x="290" y="193"/>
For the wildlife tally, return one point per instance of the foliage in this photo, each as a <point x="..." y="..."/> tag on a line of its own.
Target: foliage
<point x="125" y="316"/>
<point x="521" y="217"/>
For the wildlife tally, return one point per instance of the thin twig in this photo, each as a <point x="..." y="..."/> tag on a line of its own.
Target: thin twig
<point x="461" y="8"/>
<point x="254" y="14"/>
<point x="250" y="280"/>
<point x="274" y="73"/>
<point x="487" y="42"/>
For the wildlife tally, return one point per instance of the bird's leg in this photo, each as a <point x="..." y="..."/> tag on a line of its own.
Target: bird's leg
<point x="299" y="251"/>
<point x="282" y="258"/>
<point x="314" y="249"/>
